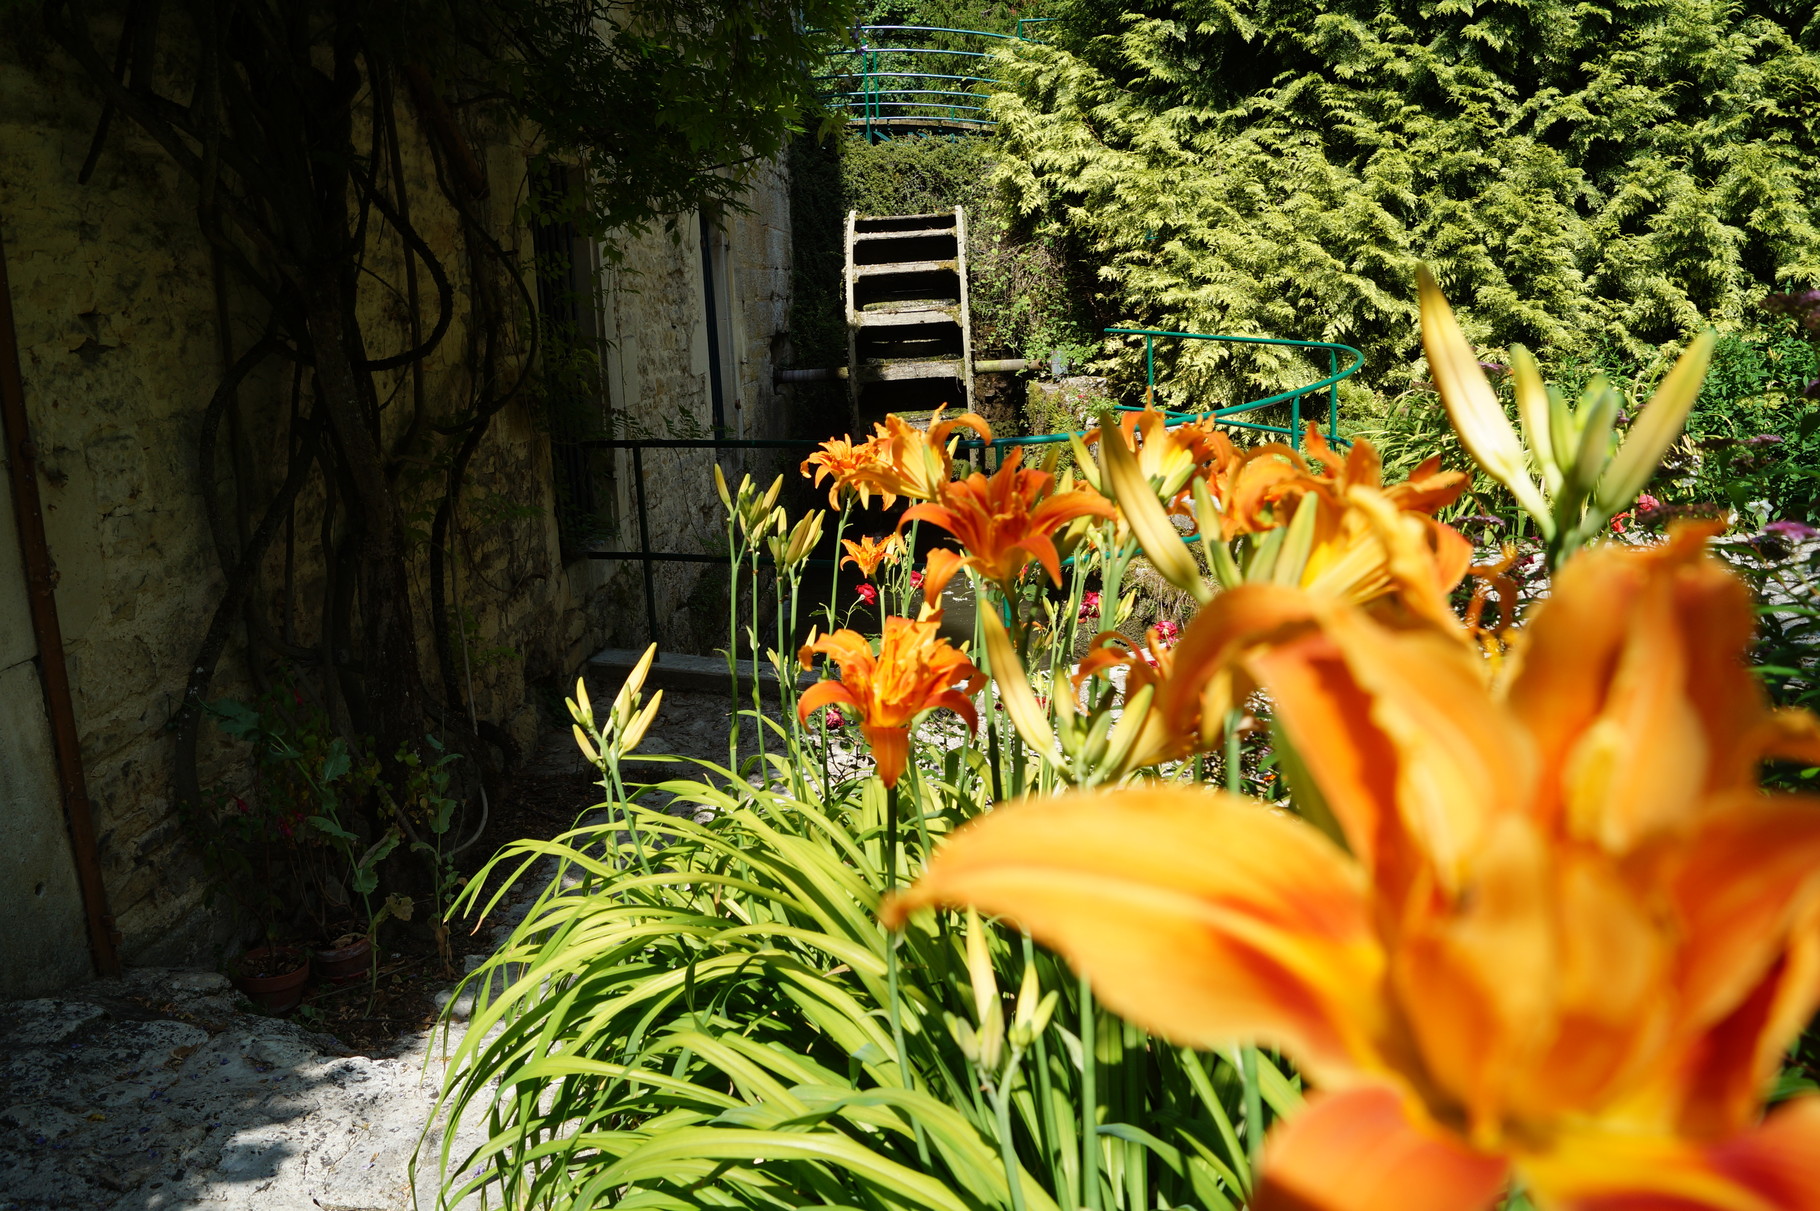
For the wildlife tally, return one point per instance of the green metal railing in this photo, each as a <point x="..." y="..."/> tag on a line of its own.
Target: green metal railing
<point x="1229" y="415"/>
<point x="1330" y="386"/>
<point x="885" y="87"/>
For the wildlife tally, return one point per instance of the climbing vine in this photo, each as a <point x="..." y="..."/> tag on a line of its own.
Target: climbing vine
<point x="303" y="129"/>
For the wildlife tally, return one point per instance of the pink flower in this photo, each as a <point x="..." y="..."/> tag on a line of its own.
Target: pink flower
<point x="832" y="718"/>
<point x="1791" y="531"/>
<point x="916" y="580"/>
<point x="1167" y="632"/>
<point x="867" y="593"/>
<point x="1647" y="503"/>
<point x="1090" y="605"/>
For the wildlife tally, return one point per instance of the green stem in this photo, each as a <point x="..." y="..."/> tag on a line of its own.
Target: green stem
<point x="1001" y="1107"/>
<point x="897" y="1038"/>
<point x="1254" y="1109"/>
<point x="890" y="838"/>
<point x="840" y="528"/>
<point x="1051" y="1128"/>
<point x="1090" y="1116"/>
<point x="736" y="556"/>
<point x="758" y="702"/>
<point x="1234" y="780"/>
<point x="1136" y="1063"/>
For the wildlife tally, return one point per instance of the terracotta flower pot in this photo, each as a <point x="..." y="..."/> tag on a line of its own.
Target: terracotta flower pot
<point x="273" y="977"/>
<point x="348" y="959"/>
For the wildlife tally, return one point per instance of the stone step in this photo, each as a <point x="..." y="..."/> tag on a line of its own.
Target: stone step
<point x="908" y="316"/>
<point x="608" y="670"/>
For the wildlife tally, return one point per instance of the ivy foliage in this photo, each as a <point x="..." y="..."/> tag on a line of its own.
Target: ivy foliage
<point x="1608" y="175"/>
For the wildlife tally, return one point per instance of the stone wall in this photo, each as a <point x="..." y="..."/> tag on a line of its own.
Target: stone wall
<point x="116" y="313"/>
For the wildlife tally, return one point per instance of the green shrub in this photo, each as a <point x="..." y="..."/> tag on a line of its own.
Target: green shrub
<point x="1611" y="175"/>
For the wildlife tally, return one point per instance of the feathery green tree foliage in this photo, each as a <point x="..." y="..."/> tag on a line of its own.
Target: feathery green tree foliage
<point x="1608" y="175"/>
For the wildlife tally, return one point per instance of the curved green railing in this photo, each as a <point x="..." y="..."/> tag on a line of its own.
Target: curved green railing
<point x="1227" y="415"/>
<point x="884" y="87"/>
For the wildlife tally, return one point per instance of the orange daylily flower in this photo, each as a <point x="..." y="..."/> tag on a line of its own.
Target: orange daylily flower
<point x="1365" y="548"/>
<point x="845" y="463"/>
<point x="938" y="569"/>
<point x="1006" y="520"/>
<point x="1401" y="565"/>
<point x="1345" y="533"/>
<point x="1368" y="541"/>
<point x="1262" y="492"/>
<point x="869" y="552"/>
<point x="917" y="464"/>
<point x="1172" y="457"/>
<point x="897" y="460"/>
<point x="1562" y="934"/>
<point x="915" y="670"/>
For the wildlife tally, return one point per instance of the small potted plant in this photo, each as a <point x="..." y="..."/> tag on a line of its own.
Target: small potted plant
<point x="344" y="959"/>
<point x="272" y="976"/>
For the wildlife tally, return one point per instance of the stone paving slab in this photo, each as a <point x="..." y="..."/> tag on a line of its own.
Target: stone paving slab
<point x="155" y="1092"/>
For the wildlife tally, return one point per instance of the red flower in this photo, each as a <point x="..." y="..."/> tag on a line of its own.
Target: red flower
<point x="867" y="593"/>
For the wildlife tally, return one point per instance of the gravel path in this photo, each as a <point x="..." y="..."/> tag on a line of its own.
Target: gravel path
<point x="163" y="1090"/>
<point x="155" y="1091"/>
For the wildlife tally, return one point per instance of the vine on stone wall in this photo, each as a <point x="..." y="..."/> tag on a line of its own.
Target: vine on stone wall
<point x="296" y="124"/>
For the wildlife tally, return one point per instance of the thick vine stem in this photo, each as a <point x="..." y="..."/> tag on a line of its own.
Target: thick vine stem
<point x="215" y="640"/>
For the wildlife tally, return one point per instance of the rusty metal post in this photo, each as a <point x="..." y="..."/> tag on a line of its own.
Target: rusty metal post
<point x="53" y="672"/>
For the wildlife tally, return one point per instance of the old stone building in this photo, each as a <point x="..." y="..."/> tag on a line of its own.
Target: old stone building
<point x="120" y="350"/>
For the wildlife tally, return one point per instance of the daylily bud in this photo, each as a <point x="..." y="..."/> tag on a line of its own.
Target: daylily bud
<point x="586" y="746"/>
<point x="1471" y="403"/>
<point x="628" y="693"/>
<point x="1014" y="687"/>
<point x="1151" y="526"/>
<point x="803" y="538"/>
<point x="1298" y="541"/>
<point x="1119" y="746"/>
<point x="1209" y="524"/>
<point x="992" y="1038"/>
<point x="1656" y="427"/>
<point x="1597" y="413"/>
<point x="1028" y="993"/>
<point x="1534" y="411"/>
<point x="964" y="1037"/>
<point x="1083" y="458"/>
<point x="1026" y="1031"/>
<point x="635" y="731"/>
<point x="979" y="968"/>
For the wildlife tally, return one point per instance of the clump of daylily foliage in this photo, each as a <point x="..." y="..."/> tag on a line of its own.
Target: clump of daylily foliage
<point x="1511" y="919"/>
